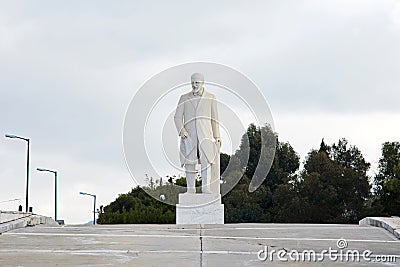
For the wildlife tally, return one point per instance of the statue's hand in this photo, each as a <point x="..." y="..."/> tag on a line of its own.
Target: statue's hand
<point x="184" y="133"/>
<point x="218" y="140"/>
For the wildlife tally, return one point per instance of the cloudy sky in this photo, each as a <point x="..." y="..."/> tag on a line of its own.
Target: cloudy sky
<point x="68" y="70"/>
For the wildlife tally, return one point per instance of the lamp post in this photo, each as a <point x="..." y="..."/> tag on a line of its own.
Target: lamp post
<point x="94" y="205"/>
<point x="27" y="167"/>
<point x="55" y="189"/>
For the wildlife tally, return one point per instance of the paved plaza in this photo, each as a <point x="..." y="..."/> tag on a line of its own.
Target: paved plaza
<point x="196" y="245"/>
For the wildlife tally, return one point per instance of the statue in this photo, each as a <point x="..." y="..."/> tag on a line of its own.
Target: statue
<point x="196" y="119"/>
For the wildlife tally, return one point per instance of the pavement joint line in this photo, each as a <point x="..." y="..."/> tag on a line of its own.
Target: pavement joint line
<point x="216" y="228"/>
<point x="201" y="252"/>
<point x="94" y="251"/>
<point x="207" y="236"/>
<point x="285" y="228"/>
<point x="238" y="228"/>
<point x="127" y="251"/>
<point x="233" y="229"/>
<point x="115" y="252"/>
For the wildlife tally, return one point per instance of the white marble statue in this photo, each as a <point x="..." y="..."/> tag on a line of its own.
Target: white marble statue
<point x="196" y="119"/>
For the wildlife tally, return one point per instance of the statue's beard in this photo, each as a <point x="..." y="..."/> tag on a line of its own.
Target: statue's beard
<point x="197" y="90"/>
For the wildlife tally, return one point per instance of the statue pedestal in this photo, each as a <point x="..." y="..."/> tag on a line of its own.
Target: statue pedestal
<point x="199" y="209"/>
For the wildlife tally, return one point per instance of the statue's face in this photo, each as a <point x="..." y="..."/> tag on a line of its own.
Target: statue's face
<point x="197" y="82"/>
<point x="197" y="85"/>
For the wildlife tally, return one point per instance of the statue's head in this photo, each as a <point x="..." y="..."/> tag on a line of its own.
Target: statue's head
<point x="197" y="80"/>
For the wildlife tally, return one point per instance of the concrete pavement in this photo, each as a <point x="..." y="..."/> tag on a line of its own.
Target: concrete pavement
<point x="195" y="245"/>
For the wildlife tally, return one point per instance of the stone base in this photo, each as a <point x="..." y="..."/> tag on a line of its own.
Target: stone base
<point x="199" y="209"/>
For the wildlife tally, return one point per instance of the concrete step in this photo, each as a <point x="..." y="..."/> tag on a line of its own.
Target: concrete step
<point x="391" y="224"/>
<point x="7" y="216"/>
<point x="14" y="220"/>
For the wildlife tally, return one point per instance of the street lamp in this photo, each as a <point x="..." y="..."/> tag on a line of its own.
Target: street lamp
<point x="94" y="205"/>
<point x="55" y="189"/>
<point x="27" y="167"/>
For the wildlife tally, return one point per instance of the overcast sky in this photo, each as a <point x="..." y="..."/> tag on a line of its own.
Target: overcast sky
<point x="68" y="70"/>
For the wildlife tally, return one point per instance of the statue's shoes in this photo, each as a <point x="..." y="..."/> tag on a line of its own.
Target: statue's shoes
<point x="206" y="191"/>
<point x="191" y="191"/>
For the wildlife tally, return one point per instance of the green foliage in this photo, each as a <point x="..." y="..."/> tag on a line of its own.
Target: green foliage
<point x="332" y="187"/>
<point x="241" y="205"/>
<point x="224" y="161"/>
<point x="256" y="153"/>
<point x="137" y="207"/>
<point x="286" y="162"/>
<point x="249" y="150"/>
<point x="387" y="181"/>
<point x="181" y="182"/>
<point x="287" y="205"/>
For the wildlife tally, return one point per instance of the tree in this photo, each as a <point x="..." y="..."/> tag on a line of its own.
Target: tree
<point x="287" y="206"/>
<point x="318" y="189"/>
<point x="249" y="150"/>
<point x="270" y="166"/>
<point x="224" y="161"/>
<point x="256" y="153"/>
<point x="241" y="206"/>
<point x="334" y="183"/>
<point x="137" y="207"/>
<point x="349" y="157"/>
<point x="387" y="181"/>
<point x="333" y="187"/>
<point x="324" y="147"/>
<point x="286" y="163"/>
